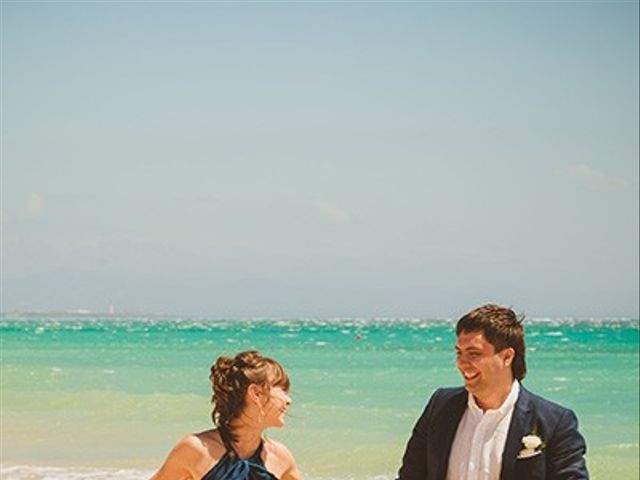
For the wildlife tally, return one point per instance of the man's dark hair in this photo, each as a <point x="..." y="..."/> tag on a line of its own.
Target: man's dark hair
<point x="502" y="328"/>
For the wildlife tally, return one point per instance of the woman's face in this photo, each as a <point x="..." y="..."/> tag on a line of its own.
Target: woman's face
<point x="275" y="407"/>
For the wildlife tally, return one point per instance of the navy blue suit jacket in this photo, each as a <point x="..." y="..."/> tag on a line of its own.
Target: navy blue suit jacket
<point x="427" y="453"/>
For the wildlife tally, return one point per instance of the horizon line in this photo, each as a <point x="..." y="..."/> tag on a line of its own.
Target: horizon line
<point x="86" y="313"/>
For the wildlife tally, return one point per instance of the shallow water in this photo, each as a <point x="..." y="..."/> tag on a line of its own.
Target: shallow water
<point x="98" y="398"/>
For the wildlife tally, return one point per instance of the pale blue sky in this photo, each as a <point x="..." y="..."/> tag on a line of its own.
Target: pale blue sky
<point x="320" y="159"/>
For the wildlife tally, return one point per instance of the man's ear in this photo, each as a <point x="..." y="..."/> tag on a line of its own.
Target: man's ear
<point x="508" y="355"/>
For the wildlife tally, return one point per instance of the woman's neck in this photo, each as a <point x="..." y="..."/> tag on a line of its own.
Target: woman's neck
<point x="248" y="438"/>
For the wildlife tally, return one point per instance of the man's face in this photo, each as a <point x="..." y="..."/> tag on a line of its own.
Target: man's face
<point x="484" y="370"/>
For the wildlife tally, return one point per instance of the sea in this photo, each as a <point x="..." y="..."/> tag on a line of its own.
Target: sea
<point x="106" y="397"/>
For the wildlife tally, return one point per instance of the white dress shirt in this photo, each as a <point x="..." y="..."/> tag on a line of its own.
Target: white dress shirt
<point x="476" y="453"/>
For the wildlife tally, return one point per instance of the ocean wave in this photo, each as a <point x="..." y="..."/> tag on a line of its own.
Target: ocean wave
<point x="204" y="322"/>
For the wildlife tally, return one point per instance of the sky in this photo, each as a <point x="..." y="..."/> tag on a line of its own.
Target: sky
<point x="320" y="159"/>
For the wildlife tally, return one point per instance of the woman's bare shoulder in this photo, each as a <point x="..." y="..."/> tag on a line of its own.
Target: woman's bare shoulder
<point x="191" y="449"/>
<point x="191" y="457"/>
<point x="279" y="449"/>
<point x="285" y="459"/>
<point x="210" y="441"/>
<point x="178" y="464"/>
<point x="281" y="452"/>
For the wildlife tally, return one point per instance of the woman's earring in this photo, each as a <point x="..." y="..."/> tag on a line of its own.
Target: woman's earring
<point x="261" y="410"/>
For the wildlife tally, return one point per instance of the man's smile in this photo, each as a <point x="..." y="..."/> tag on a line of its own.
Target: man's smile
<point x="469" y="377"/>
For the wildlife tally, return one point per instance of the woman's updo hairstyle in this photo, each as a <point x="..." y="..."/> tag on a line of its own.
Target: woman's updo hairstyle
<point x="230" y="378"/>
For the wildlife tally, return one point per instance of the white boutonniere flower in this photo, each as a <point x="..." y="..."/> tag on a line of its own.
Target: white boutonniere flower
<point x="533" y="445"/>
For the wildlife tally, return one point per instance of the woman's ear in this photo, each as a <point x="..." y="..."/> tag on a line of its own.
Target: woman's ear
<point x="255" y="393"/>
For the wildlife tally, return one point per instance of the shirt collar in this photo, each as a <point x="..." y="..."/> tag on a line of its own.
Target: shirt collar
<point x="503" y="409"/>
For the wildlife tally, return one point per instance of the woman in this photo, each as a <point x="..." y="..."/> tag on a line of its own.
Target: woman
<point x="250" y="394"/>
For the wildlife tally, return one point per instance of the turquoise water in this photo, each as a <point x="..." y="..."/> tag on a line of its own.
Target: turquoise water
<point x="107" y="398"/>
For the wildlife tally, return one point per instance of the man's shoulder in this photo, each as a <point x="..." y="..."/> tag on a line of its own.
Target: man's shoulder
<point x="447" y="393"/>
<point x="544" y="406"/>
<point x="445" y="396"/>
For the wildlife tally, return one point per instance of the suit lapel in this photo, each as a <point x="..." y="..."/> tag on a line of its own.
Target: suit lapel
<point x="447" y="431"/>
<point x="521" y="425"/>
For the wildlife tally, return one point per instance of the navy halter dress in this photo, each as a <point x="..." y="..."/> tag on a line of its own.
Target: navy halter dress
<point x="231" y="467"/>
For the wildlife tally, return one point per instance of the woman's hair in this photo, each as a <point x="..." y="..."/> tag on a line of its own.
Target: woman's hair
<point x="230" y="378"/>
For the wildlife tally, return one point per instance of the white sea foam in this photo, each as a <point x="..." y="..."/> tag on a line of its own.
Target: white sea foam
<point x="554" y="334"/>
<point x="31" y="472"/>
<point x="626" y="445"/>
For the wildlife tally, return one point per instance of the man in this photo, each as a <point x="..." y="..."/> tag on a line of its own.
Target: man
<point x="493" y="428"/>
